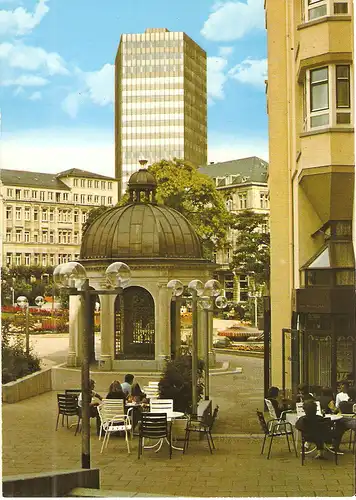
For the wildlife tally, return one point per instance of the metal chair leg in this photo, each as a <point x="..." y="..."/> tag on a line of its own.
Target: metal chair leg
<point x="207" y="437"/>
<point x="270" y="446"/>
<point x="288" y="442"/>
<point x="263" y="444"/>
<point x="295" y="448"/>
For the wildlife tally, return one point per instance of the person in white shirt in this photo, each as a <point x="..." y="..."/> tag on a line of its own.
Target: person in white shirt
<point x="342" y="395"/>
<point x="127" y="385"/>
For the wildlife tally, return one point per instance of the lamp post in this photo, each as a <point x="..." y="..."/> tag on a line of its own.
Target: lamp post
<point x="72" y="276"/>
<point x="255" y="294"/>
<point x="22" y="302"/>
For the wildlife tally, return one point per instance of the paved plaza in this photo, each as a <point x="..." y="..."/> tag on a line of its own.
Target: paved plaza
<point x="31" y="444"/>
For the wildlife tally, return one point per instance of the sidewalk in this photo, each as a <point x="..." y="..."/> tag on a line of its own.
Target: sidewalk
<point x="31" y="444"/>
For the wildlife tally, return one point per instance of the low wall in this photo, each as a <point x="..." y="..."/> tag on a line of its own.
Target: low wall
<point x="26" y="387"/>
<point x="50" y="484"/>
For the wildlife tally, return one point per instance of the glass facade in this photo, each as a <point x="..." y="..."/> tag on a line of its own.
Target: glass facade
<point x="161" y="100"/>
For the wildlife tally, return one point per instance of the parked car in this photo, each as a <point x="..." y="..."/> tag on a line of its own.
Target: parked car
<point x="223" y="342"/>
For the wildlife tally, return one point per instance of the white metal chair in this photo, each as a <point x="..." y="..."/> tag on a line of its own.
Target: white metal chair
<point x="161" y="406"/>
<point x="113" y="419"/>
<point x="151" y="392"/>
<point x="153" y="383"/>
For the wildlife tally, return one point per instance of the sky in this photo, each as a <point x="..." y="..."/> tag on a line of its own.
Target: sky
<point x="57" y="77"/>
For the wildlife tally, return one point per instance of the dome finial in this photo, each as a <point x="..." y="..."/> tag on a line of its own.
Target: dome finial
<point x="143" y="163"/>
<point x="142" y="186"/>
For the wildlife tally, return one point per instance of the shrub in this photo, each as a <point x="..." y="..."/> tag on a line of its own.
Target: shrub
<point x="15" y="362"/>
<point x="176" y="382"/>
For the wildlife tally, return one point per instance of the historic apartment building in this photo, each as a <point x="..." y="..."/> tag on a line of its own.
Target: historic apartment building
<point x="244" y="183"/>
<point x="311" y="179"/>
<point x="160" y="100"/>
<point x="43" y="214"/>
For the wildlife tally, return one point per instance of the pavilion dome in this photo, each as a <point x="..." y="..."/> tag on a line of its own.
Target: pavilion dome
<point x="141" y="229"/>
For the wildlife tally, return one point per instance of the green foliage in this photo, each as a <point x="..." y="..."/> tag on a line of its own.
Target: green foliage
<point x="15" y="363"/>
<point x="30" y="281"/>
<point x="182" y="187"/>
<point x="92" y="215"/>
<point x="252" y="251"/>
<point x="176" y="382"/>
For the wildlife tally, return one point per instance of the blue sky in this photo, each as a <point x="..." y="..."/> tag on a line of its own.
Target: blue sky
<point x="56" y="76"/>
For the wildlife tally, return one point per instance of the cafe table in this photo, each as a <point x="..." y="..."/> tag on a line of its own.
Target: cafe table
<point x="171" y="416"/>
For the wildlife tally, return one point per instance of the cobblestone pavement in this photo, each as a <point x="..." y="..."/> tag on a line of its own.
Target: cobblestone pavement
<point x="31" y="444"/>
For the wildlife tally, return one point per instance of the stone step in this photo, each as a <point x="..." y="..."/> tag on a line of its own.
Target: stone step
<point x="91" y="492"/>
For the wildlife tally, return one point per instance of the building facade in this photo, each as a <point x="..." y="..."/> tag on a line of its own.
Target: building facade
<point x="160" y="100"/>
<point x="311" y="181"/>
<point x="43" y="214"/>
<point x="244" y="185"/>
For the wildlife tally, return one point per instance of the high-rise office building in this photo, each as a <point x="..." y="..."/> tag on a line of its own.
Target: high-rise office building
<point x="160" y="100"/>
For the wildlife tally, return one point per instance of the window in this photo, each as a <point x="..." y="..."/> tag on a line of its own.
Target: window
<point x="58" y="197"/>
<point x="75" y="182"/>
<point x="82" y="198"/>
<point x="109" y="200"/>
<point x="18" y="194"/>
<point x="35" y="237"/>
<point x="35" y="214"/>
<point x="90" y="198"/>
<point x="8" y="235"/>
<point x="90" y="184"/>
<point x="27" y="236"/>
<point x="50" y="196"/>
<point x="65" y="196"/>
<point x="34" y="194"/>
<point x="51" y="258"/>
<point x="109" y="185"/>
<point x="10" y="192"/>
<point x="96" y="184"/>
<point x="44" y="236"/>
<point x="8" y="213"/>
<point x="27" y="213"/>
<point x="243" y="200"/>
<point x="9" y="259"/>
<point x="263" y="200"/>
<point x="18" y="235"/>
<point x="26" y="193"/>
<point x="229" y="204"/>
<point x="96" y="199"/>
<point x="76" y="198"/>
<point x="44" y="215"/>
<point x="314" y="9"/>
<point x="76" y="238"/>
<point x="18" y="259"/>
<point x="18" y="213"/>
<point x="82" y="183"/>
<point x="76" y="216"/>
<point x="51" y="215"/>
<point x="84" y="217"/>
<point x="51" y="236"/>
<point x="42" y="195"/>
<point x="328" y="97"/>
<point x="103" y="199"/>
<point x="44" y="259"/>
<point x="103" y="185"/>
<point x="36" y="259"/>
<point x="27" y="259"/>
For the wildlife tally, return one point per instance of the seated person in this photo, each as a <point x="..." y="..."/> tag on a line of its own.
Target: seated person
<point x="317" y="429"/>
<point x="115" y="391"/>
<point x="136" y="393"/>
<point x="279" y="405"/>
<point x="127" y="384"/>
<point x="304" y="394"/>
<point x="326" y="400"/>
<point x="93" y="410"/>
<point x="343" y="394"/>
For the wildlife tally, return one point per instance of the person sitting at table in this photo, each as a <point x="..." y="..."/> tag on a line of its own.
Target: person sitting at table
<point x="115" y="391"/>
<point x="343" y="394"/>
<point x="127" y="384"/>
<point x="326" y="399"/>
<point x="304" y="394"/>
<point x="136" y="393"/>
<point x="93" y="410"/>
<point x="278" y="404"/>
<point x="317" y="429"/>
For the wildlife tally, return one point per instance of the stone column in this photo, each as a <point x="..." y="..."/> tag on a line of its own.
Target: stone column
<point x="75" y="330"/>
<point x="162" y="324"/>
<point x="107" y="331"/>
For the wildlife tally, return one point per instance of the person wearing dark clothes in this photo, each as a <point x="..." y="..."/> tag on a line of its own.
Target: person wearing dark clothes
<point x="304" y="394"/>
<point x="273" y="393"/>
<point x="93" y="405"/>
<point x="326" y="400"/>
<point x="115" y="391"/>
<point x="317" y="429"/>
<point x="136" y="393"/>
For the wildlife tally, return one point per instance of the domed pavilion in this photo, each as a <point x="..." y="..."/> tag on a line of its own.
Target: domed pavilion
<point x="141" y="327"/>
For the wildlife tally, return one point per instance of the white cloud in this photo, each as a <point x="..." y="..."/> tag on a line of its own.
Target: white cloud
<point x="26" y="81"/>
<point x="225" y="51"/>
<point x="70" y="104"/>
<point x="232" y="20"/>
<point x="250" y="71"/>
<point x="231" y="147"/>
<point x="57" y="149"/>
<point x="21" y="22"/>
<point x="36" y="96"/>
<point x="216" y="77"/>
<point x="100" y="85"/>
<point x="32" y="58"/>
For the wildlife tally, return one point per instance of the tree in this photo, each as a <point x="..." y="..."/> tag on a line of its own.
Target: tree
<point x="181" y="186"/>
<point x="252" y="249"/>
<point x="30" y="281"/>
